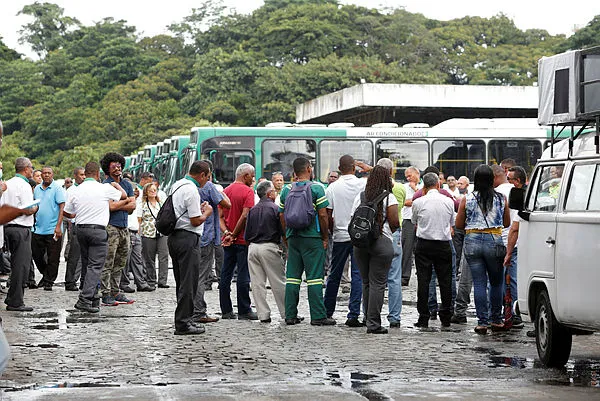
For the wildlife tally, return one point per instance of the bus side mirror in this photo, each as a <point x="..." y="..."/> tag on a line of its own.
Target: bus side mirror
<point x="516" y="199"/>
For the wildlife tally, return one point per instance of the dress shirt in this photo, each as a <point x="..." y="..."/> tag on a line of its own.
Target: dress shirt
<point x="434" y="215"/>
<point x="263" y="224"/>
<point x="18" y="194"/>
<point x="442" y="191"/>
<point x="186" y="203"/>
<point x="89" y="202"/>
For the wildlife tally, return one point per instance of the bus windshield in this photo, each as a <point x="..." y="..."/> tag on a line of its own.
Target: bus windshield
<point x="279" y="154"/>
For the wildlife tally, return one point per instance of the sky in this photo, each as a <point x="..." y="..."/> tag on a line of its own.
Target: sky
<point x="151" y="16"/>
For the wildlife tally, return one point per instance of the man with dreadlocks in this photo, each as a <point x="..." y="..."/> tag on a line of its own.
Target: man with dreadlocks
<point x="118" y="233"/>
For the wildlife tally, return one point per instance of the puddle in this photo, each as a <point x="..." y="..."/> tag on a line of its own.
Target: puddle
<point x="45" y="327"/>
<point x="358" y="382"/>
<point x="44" y="315"/>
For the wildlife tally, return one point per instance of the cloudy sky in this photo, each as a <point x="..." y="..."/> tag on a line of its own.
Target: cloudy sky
<point x="151" y="16"/>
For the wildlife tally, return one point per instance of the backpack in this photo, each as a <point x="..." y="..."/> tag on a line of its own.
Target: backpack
<point x="166" y="219"/>
<point x="363" y="227"/>
<point x="299" y="212"/>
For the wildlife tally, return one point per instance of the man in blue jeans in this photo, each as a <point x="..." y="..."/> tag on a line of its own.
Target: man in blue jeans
<point x="341" y="195"/>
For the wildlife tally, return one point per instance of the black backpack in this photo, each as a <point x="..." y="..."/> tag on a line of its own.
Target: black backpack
<point x="166" y="219"/>
<point x="299" y="211"/>
<point x="363" y="227"/>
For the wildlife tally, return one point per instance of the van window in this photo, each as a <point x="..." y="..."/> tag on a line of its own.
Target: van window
<point x="548" y="182"/>
<point x="580" y="187"/>
<point x="595" y="195"/>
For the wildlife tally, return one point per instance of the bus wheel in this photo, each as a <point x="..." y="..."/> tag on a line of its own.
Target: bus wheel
<point x="553" y="339"/>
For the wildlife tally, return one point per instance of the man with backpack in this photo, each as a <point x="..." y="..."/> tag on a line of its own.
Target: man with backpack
<point x="184" y="242"/>
<point x="304" y="219"/>
<point x="340" y="195"/>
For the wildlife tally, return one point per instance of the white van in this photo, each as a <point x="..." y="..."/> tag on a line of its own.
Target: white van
<point x="559" y="246"/>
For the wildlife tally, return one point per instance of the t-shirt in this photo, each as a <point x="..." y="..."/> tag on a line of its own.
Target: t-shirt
<point x="119" y="218"/>
<point x="400" y="193"/>
<point x="212" y="229"/>
<point x="18" y="194"/>
<point x="89" y="202"/>
<point x="319" y="202"/>
<point x="340" y="195"/>
<point x="186" y="203"/>
<point x="389" y="201"/>
<point x="407" y="210"/>
<point x="241" y="196"/>
<point x="50" y="198"/>
<point x="504" y="189"/>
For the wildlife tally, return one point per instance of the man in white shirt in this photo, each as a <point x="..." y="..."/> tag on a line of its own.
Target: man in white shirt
<point x="341" y="194"/>
<point x="184" y="244"/>
<point x="89" y="204"/>
<point x="18" y="232"/>
<point x="73" y="270"/>
<point x="433" y="214"/>
<point x="413" y="178"/>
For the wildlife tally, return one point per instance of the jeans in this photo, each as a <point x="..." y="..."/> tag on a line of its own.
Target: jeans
<point x="433" y="304"/>
<point x="480" y="252"/>
<point x="341" y="251"/>
<point x="463" y="295"/>
<point x="235" y="255"/>
<point x="395" y="280"/>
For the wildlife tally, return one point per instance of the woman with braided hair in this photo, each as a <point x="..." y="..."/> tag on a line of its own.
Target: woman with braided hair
<point x="374" y="261"/>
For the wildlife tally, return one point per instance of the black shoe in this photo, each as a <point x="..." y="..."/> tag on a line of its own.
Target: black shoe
<point x="294" y="320"/>
<point x="379" y="330"/>
<point x="445" y="323"/>
<point x="531" y="333"/>
<point x="191" y="329"/>
<point x="128" y="290"/>
<point x="21" y="308"/>
<point x="32" y="285"/>
<point x="229" y="315"/>
<point x="47" y="287"/>
<point x="395" y="324"/>
<point x="518" y="323"/>
<point x="327" y="321"/>
<point x="71" y="287"/>
<point x="354" y="322"/>
<point x="432" y="315"/>
<point x="82" y="306"/>
<point x="265" y="320"/>
<point x="422" y="324"/>
<point x="404" y="282"/>
<point x="163" y="286"/>
<point x="458" y="320"/>
<point x="248" y="316"/>
<point x="146" y="289"/>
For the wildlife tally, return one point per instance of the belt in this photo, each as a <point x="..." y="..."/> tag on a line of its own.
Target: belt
<point x="17" y="226"/>
<point x="94" y="226"/>
<point x="495" y="230"/>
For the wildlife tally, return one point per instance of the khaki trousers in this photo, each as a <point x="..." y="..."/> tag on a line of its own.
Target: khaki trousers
<point x="265" y="262"/>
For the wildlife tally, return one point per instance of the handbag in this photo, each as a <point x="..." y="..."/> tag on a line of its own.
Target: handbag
<point x="499" y="249"/>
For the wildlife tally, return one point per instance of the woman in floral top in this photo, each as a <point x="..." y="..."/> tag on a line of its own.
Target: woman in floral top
<point x="153" y="243"/>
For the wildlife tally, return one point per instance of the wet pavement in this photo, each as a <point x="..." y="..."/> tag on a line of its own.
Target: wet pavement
<point x="129" y="351"/>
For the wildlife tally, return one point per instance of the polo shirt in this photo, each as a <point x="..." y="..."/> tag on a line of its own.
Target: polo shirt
<point x="340" y="195"/>
<point x="434" y="216"/>
<point x="50" y="198"/>
<point x="120" y="218"/>
<point x="241" y="196"/>
<point x="89" y="202"/>
<point x="212" y="230"/>
<point x="18" y="194"/>
<point x="319" y="202"/>
<point x="186" y="204"/>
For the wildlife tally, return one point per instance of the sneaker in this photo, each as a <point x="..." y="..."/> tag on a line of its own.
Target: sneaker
<point x="122" y="299"/>
<point x="109" y="300"/>
<point x="354" y="322"/>
<point x="84" y="307"/>
<point x="229" y="315"/>
<point x="191" y="329"/>
<point x="327" y="321"/>
<point x="294" y="320"/>
<point x="458" y="320"/>
<point x="248" y="316"/>
<point x="518" y="323"/>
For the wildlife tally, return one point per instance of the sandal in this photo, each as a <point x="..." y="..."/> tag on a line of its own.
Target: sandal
<point x="481" y="330"/>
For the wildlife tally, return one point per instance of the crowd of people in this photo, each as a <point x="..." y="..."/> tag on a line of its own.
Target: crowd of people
<point x="271" y="235"/>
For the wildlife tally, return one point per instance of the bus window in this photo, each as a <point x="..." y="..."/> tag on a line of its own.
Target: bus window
<point x="332" y="150"/>
<point x="458" y="157"/>
<point x="525" y="153"/>
<point x="226" y="161"/>
<point x="279" y="154"/>
<point x="404" y="153"/>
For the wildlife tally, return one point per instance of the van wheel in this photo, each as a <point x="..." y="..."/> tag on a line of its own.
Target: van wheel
<point x="553" y="340"/>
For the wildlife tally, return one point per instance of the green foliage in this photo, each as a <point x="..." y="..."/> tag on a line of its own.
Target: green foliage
<point x="586" y="37"/>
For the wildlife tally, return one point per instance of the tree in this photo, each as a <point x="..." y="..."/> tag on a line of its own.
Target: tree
<point x="6" y="53"/>
<point x="48" y="29"/>
<point x="585" y="37"/>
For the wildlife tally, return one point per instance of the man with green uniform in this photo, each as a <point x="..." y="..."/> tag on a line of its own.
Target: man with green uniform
<point x="306" y="251"/>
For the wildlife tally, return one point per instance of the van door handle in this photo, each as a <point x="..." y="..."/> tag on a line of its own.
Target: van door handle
<point x="550" y="241"/>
